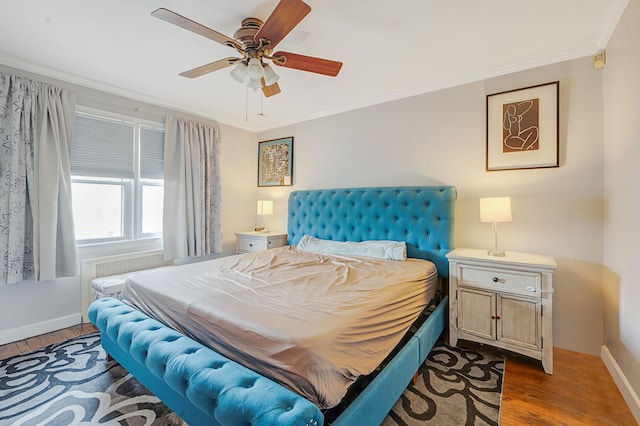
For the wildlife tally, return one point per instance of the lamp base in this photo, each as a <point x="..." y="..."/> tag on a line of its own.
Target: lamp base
<point x="493" y="253"/>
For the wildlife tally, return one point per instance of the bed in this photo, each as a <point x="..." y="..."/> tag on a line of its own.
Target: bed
<point x="204" y="386"/>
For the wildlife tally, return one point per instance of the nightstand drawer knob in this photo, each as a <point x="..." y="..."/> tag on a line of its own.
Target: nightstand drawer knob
<point x="496" y="279"/>
<point x="250" y="244"/>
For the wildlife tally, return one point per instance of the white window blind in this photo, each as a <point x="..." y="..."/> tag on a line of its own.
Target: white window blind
<point x="102" y="147"/>
<point x="151" y="153"/>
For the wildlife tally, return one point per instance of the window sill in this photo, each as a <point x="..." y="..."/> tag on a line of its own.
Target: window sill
<point x="88" y="251"/>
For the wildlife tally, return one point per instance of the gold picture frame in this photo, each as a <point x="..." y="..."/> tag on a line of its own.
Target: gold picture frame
<point x="523" y="128"/>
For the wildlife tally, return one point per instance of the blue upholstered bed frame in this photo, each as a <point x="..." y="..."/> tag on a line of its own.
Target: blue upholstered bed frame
<point x="205" y="388"/>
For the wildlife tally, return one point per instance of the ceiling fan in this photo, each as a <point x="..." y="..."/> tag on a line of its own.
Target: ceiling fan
<point x="255" y="41"/>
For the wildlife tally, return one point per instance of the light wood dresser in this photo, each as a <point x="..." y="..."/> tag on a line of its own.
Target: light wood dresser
<point x="503" y="301"/>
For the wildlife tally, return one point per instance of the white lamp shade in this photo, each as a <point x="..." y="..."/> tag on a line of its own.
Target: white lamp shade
<point x="239" y="72"/>
<point x="495" y="209"/>
<point x="254" y="69"/>
<point x="270" y="76"/>
<point x="254" y="84"/>
<point x="265" y="207"/>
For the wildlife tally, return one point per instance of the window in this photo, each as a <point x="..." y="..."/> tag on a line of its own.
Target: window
<point x="117" y="171"/>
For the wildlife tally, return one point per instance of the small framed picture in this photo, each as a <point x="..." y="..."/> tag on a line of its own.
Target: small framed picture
<point x="275" y="162"/>
<point x="523" y="129"/>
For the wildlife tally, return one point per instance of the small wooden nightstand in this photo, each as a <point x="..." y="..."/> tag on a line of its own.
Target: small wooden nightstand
<point x="247" y="242"/>
<point x="503" y="301"/>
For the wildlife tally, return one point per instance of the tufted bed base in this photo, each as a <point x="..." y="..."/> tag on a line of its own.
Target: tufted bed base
<point x="205" y="388"/>
<point x="197" y="383"/>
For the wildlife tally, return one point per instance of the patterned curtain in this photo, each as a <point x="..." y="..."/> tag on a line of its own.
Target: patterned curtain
<point x="17" y="132"/>
<point x="36" y="225"/>
<point x="192" y="225"/>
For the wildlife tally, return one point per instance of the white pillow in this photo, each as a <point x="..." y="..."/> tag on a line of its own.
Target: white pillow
<point x="381" y="249"/>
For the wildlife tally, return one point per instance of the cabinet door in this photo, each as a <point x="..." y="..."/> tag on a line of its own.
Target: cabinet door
<point x="477" y="313"/>
<point x="519" y="322"/>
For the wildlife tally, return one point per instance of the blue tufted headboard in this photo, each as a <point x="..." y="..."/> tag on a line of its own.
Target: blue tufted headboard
<point x="422" y="216"/>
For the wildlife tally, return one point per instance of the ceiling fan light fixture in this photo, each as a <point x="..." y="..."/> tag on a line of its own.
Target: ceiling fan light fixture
<point x="254" y="69"/>
<point x="239" y="72"/>
<point x="270" y="76"/>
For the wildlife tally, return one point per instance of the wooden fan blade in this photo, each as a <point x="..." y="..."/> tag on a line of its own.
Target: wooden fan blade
<point x="286" y="15"/>
<point x="274" y="89"/>
<point x="213" y="66"/>
<point x="308" y="63"/>
<point x="188" y="24"/>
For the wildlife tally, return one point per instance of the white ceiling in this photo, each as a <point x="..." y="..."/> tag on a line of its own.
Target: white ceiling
<point x="390" y="50"/>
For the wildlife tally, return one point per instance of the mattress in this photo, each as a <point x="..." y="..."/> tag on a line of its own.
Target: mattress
<point x="313" y="322"/>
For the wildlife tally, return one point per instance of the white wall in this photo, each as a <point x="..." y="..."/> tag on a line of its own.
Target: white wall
<point x="440" y="138"/>
<point x="30" y="308"/>
<point x="622" y="195"/>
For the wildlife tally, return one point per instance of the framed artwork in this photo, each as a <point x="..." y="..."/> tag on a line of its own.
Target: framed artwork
<point x="275" y="162"/>
<point x="522" y="128"/>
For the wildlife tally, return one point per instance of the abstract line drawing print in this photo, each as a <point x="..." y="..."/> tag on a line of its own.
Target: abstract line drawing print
<point x="521" y="126"/>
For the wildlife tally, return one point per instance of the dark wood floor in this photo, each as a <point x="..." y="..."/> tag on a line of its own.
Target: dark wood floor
<point x="580" y="391"/>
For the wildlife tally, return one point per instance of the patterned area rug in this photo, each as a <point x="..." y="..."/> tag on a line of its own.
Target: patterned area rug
<point x="455" y="387"/>
<point x="71" y="383"/>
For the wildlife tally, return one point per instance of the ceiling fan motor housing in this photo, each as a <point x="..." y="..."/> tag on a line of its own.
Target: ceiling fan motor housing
<point x="247" y="31"/>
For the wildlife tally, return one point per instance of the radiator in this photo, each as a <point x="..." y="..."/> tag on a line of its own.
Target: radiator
<point x="114" y="265"/>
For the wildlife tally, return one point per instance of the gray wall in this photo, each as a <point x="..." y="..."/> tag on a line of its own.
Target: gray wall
<point x="440" y="137"/>
<point x="622" y="199"/>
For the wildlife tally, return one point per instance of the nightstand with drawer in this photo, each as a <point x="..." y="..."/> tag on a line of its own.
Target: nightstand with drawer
<point x="503" y="301"/>
<point x="247" y="242"/>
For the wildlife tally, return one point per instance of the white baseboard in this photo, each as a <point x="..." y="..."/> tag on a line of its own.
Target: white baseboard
<point x="629" y="395"/>
<point x="15" y="334"/>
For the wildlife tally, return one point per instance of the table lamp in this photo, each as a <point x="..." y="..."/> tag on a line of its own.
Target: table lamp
<point x="265" y="208"/>
<point x="494" y="210"/>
